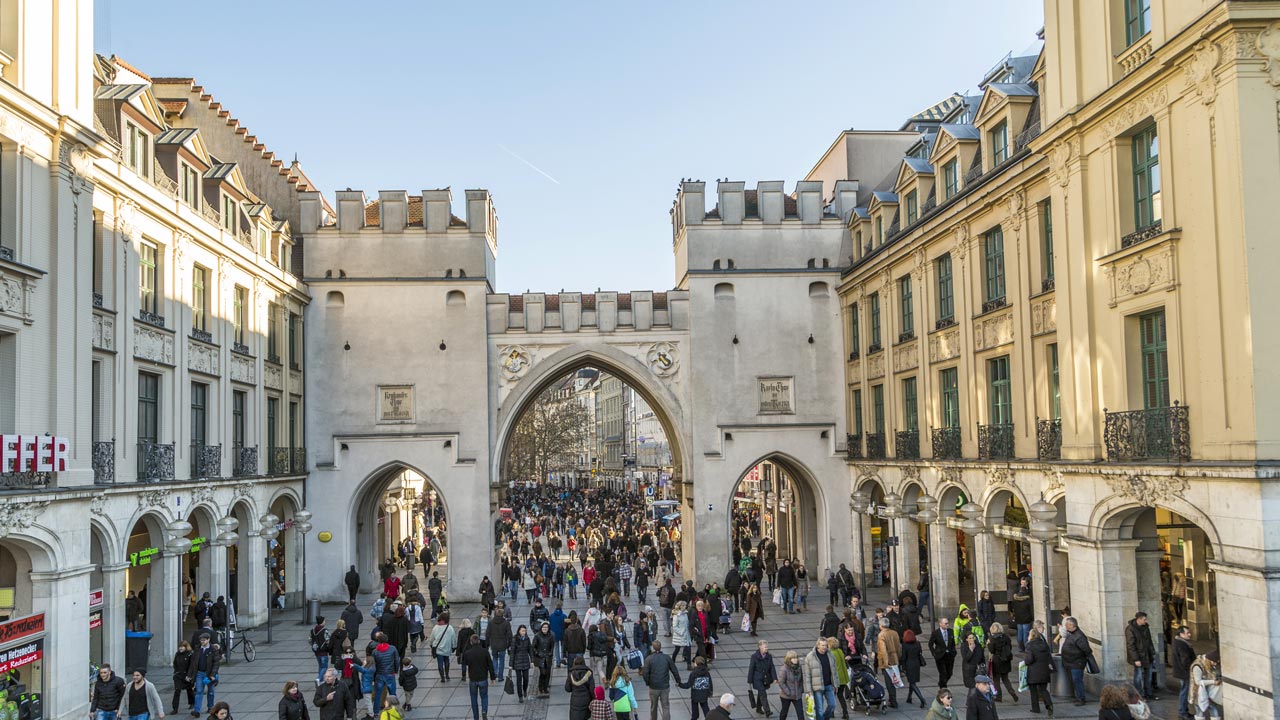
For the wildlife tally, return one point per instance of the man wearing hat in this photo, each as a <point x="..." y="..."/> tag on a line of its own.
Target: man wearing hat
<point x="979" y="705"/>
<point x="721" y="711"/>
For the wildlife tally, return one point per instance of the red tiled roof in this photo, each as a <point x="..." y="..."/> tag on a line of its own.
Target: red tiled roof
<point x="515" y="303"/>
<point x="174" y="106"/>
<point x="624" y="301"/>
<point x="588" y="301"/>
<point x="659" y="301"/>
<point x="553" y="302"/>
<point x="122" y="63"/>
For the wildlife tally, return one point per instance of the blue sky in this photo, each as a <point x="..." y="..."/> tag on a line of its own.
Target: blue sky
<point x="612" y="103"/>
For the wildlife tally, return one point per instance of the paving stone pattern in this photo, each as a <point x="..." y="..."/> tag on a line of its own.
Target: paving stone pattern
<point x="253" y="689"/>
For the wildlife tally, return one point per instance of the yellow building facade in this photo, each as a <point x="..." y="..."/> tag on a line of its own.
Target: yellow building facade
<point x="1050" y="315"/>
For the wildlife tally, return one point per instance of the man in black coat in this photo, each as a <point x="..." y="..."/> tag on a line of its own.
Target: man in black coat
<point x="1075" y="656"/>
<point x="1183" y="655"/>
<point x="333" y="698"/>
<point x="942" y="646"/>
<point x="352" y="581"/>
<point x="434" y="589"/>
<point x="477" y="666"/>
<point x="351" y="618"/>
<point x="830" y="624"/>
<point x="1140" y="652"/>
<point x="1022" y="610"/>
<point x="732" y="585"/>
<point x="978" y="705"/>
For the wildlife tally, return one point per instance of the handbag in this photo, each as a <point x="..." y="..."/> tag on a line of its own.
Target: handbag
<point x="508" y="686"/>
<point x="1090" y="665"/>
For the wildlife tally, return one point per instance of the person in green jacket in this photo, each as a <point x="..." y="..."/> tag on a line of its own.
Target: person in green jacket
<point x="965" y="624"/>
<point x="842" y="675"/>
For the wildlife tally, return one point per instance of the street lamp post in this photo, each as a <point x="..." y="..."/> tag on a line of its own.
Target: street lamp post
<point x="927" y="513"/>
<point x="859" y="502"/>
<point x="891" y="510"/>
<point x="973" y="525"/>
<point x="1044" y="529"/>
<point x="302" y="523"/>
<point x="268" y="532"/>
<point x="227" y="536"/>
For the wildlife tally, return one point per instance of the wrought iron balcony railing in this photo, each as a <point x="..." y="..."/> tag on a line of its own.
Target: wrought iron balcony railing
<point x="155" y="462"/>
<point x="1142" y="234"/>
<point x="273" y="358"/>
<point x="1049" y="439"/>
<point x="279" y="461"/>
<point x="945" y="322"/>
<point x="853" y="446"/>
<point x="946" y="443"/>
<point x="298" y="462"/>
<point x="240" y="348"/>
<point x="994" y="304"/>
<point x="151" y="318"/>
<point x="1155" y="434"/>
<point x="206" y="461"/>
<point x="104" y="462"/>
<point x="995" y="442"/>
<point x="906" y="444"/>
<point x="244" y="460"/>
<point x="97" y="300"/>
<point x="202" y="335"/>
<point x="875" y="446"/>
<point x="26" y="480"/>
<point x="906" y="336"/>
<point x="874" y="348"/>
<point x="1046" y="285"/>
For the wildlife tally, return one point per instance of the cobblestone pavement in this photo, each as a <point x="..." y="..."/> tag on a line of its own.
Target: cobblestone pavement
<point x="253" y="689"/>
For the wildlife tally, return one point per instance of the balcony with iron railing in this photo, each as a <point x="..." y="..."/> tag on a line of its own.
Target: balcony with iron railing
<point x="994" y="304"/>
<point x="298" y="461"/>
<point x="853" y="446"/>
<point x="906" y="444"/>
<point x="1153" y="434"/>
<point x="26" y="480"/>
<point x="946" y="443"/>
<point x="244" y="461"/>
<point x="1049" y="439"/>
<point x="206" y="461"/>
<point x="202" y="335"/>
<point x="155" y="462"/>
<point x="1142" y="234"/>
<point x="104" y="462"/>
<point x="875" y="446"/>
<point x="278" y="460"/>
<point x="995" y="442"/>
<point x="151" y="318"/>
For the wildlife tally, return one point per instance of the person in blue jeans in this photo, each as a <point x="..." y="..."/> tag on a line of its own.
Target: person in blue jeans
<point x="820" y="669"/>
<point x="108" y="694"/>
<point x="1075" y="656"/>
<point x="479" y="669"/>
<point x="386" y="663"/>
<point x="203" y="672"/>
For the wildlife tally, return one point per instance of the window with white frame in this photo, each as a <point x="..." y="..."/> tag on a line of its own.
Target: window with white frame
<point x="137" y="149"/>
<point x="190" y="185"/>
<point x="230" y="213"/>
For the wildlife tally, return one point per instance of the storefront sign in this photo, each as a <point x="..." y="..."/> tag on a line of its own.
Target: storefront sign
<point x="20" y="628"/>
<point x="777" y="395"/>
<point x="144" y="556"/>
<point x="21" y="656"/>
<point x="95" y="598"/>
<point x="33" y="453"/>
<point x="95" y="619"/>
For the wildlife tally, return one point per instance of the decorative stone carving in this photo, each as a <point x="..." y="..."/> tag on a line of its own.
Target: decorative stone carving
<point x="1149" y="490"/>
<point x="20" y="131"/>
<point x="202" y="358"/>
<point x="126" y="220"/>
<point x="910" y="473"/>
<point x="242" y="369"/>
<point x="1268" y="47"/>
<point x="243" y="489"/>
<point x="202" y="494"/>
<point x="999" y="476"/>
<point x="515" y="361"/>
<point x="152" y="344"/>
<point x="153" y="498"/>
<point x="1016" y="204"/>
<point x="952" y="475"/>
<point x="98" y="505"/>
<point x="20" y="515"/>
<point x="1053" y="482"/>
<point x="944" y="345"/>
<point x="180" y="252"/>
<point x="922" y="261"/>
<point x="962" y="242"/>
<point x="875" y="366"/>
<point x="1059" y="155"/>
<point x="1137" y="109"/>
<point x="906" y="356"/>
<point x="867" y="472"/>
<point x="76" y="158"/>
<point x="225" y="266"/>
<point x="1199" y="71"/>
<point x="1142" y="273"/>
<point x="15" y="297"/>
<point x="993" y="331"/>
<point x="104" y="331"/>
<point x="1044" y="315"/>
<point x="663" y="359"/>
<point x="273" y="377"/>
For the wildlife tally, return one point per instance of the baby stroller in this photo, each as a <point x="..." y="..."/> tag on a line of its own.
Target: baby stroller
<point x="726" y="619"/>
<point x="867" y="691"/>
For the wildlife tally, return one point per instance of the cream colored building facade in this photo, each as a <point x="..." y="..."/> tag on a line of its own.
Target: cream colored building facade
<point x="1059" y="297"/>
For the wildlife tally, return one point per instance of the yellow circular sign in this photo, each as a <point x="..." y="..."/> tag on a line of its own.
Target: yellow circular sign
<point x="325" y="536"/>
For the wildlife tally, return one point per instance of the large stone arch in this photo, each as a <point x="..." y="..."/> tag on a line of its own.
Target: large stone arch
<point x="1114" y="516"/>
<point x="812" y="499"/>
<point x="366" y="496"/>
<point x="605" y="357"/>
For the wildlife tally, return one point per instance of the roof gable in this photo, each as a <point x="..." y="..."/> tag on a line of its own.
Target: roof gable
<point x="997" y="95"/>
<point x="188" y="138"/>
<point x="910" y="168"/>
<point x="229" y="173"/>
<point x="950" y="135"/>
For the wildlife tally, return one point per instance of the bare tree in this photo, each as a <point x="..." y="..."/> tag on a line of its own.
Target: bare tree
<point x="547" y="438"/>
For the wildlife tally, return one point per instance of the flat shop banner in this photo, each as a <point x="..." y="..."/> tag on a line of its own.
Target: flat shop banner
<point x="21" y="655"/>
<point x="22" y="627"/>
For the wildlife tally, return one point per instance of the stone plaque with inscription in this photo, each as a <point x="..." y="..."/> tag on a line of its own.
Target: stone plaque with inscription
<point x="395" y="403"/>
<point x="777" y="395"/>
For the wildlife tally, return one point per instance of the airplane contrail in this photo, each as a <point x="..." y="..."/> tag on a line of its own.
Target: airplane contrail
<point x="542" y="172"/>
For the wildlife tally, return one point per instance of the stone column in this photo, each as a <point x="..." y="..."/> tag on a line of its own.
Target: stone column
<point x="1041" y="580"/>
<point x="1248" y="639"/>
<point x="908" y="560"/>
<point x="988" y="556"/>
<point x="946" y="575"/>
<point x="251" y="581"/>
<point x="1060" y="587"/>
<point x="113" y="624"/>
<point x="1104" y="592"/>
<point x="165" y="598"/>
<point x="214" y="566"/>
<point x="1147" y="565"/>
<point x="64" y="597"/>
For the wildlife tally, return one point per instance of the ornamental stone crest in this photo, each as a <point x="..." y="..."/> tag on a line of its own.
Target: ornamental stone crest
<point x="1053" y="482"/>
<point x="952" y="475"/>
<point x="1268" y="45"/>
<point x="515" y="361"/>
<point x="153" y="498"/>
<point x="1138" y="109"/>
<point x="1200" y="71"/>
<point x="910" y="473"/>
<point x="20" y="515"/>
<point x="126" y="220"/>
<point x="1149" y="490"/>
<point x="999" y="476"/>
<point x="244" y="489"/>
<point x="1016" y="203"/>
<point x="98" y="505"/>
<point x="1059" y="156"/>
<point x="202" y="494"/>
<point x="867" y="472"/>
<point x="663" y="359"/>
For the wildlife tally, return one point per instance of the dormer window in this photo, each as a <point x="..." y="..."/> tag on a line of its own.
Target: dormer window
<point x="190" y="185"/>
<point x="264" y="241"/>
<point x="1000" y="143"/>
<point x="137" y="149"/>
<point x="230" y="213"/>
<point x="913" y="207"/>
<point x="879" y="230"/>
<point x="951" y="178"/>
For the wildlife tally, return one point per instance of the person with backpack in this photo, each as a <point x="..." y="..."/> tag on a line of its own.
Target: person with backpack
<point x="319" y="640"/>
<point x="413" y="611"/>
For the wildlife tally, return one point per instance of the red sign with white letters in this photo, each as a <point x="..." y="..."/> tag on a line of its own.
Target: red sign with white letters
<point x="34" y="453"/>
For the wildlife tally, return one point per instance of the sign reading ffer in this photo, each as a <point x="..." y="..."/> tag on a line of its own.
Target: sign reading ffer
<point x="20" y="628"/>
<point x="33" y="453"/>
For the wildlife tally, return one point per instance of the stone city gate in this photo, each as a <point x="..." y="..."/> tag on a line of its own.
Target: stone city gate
<point x="416" y="363"/>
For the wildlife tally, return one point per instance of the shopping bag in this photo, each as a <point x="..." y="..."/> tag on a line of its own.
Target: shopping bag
<point x="1022" y="676"/>
<point x="777" y="596"/>
<point x="809" y="712"/>
<point x="509" y="687"/>
<point x="746" y="622"/>
<point x="895" y="676"/>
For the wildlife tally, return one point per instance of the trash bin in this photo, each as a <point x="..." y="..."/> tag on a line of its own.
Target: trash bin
<point x="313" y="611"/>
<point x="1060" y="680"/>
<point x="137" y="646"/>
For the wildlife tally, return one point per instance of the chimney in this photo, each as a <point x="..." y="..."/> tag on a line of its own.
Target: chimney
<point x="845" y="198"/>
<point x="769" y="195"/>
<point x="350" y="210"/>
<point x="732" y="202"/>
<point x="394" y="208"/>
<point x="809" y="201"/>
<point x="436" y="209"/>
